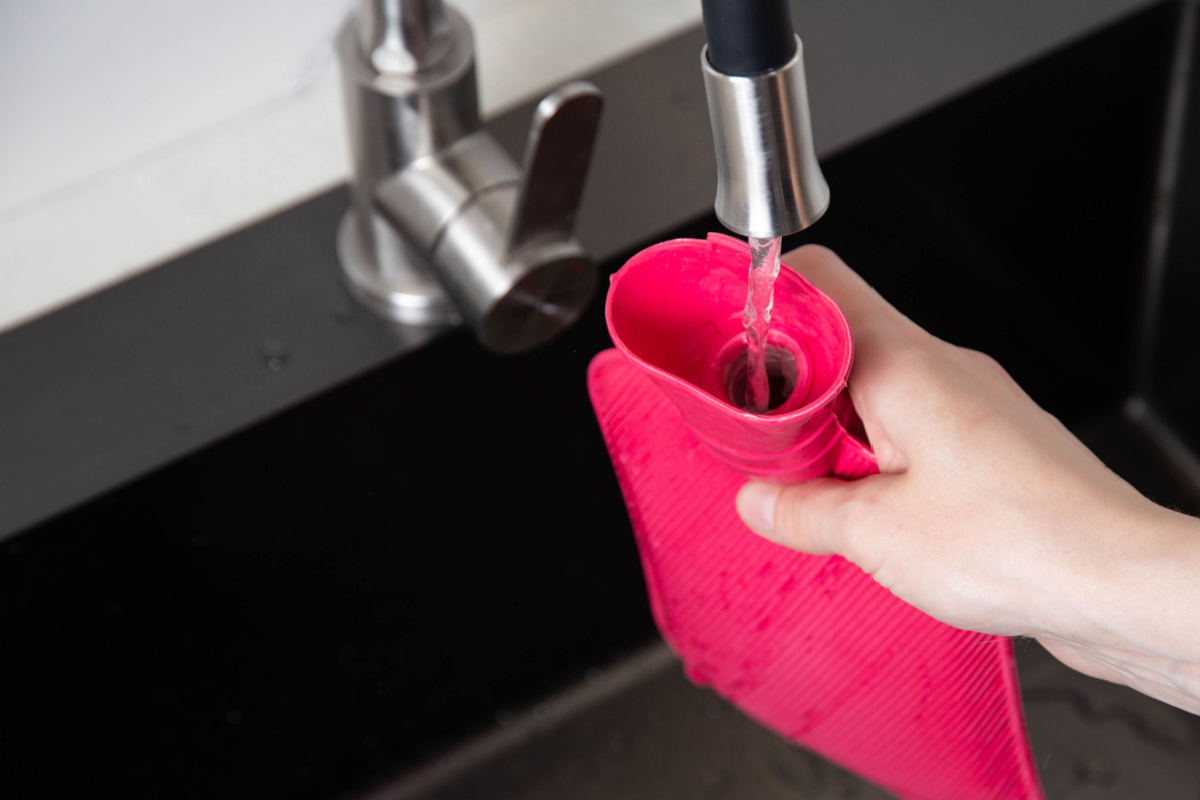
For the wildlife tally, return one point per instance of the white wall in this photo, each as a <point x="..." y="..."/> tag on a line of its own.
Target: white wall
<point x="88" y="84"/>
<point x="134" y="130"/>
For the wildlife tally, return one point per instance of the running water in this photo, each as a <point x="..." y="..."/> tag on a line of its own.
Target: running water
<point x="764" y="268"/>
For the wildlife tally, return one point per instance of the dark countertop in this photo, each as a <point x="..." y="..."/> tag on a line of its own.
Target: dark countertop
<point x="127" y="380"/>
<point x="310" y="605"/>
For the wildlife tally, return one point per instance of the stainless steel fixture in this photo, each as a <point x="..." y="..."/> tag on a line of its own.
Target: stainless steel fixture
<point x="768" y="180"/>
<point x="445" y="227"/>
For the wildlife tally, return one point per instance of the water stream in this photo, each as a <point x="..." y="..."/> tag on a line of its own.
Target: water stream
<point x="764" y="268"/>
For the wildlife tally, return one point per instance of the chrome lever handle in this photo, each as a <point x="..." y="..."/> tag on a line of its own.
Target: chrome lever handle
<point x="557" y="155"/>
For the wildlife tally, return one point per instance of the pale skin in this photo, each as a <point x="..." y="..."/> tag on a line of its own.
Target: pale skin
<point x="988" y="514"/>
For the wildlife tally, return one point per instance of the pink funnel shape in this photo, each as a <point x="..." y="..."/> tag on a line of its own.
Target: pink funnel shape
<point x="808" y="645"/>
<point x="675" y="310"/>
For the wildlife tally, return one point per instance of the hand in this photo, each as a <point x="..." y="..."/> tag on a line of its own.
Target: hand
<point x="988" y="514"/>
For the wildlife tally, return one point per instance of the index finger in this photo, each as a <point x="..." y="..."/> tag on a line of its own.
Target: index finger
<point x="873" y="320"/>
<point x="881" y="336"/>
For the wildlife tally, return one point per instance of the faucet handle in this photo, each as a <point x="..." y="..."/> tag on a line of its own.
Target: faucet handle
<point x="557" y="155"/>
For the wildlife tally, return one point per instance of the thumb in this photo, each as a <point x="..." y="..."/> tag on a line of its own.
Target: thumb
<point x="825" y="516"/>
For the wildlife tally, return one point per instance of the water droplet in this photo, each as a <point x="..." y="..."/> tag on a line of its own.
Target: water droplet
<point x="274" y="354"/>
<point x="342" y="315"/>
<point x="1094" y="772"/>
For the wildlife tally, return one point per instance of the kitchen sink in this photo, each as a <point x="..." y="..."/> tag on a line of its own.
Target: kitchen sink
<point x="421" y="582"/>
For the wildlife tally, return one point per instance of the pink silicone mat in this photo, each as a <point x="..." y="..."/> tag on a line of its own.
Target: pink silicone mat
<point x="809" y="646"/>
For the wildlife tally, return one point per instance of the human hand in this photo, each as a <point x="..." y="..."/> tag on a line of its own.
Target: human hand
<point x="988" y="514"/>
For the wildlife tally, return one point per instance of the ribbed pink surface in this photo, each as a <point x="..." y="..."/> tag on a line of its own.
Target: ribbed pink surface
<point x="810" y="646"/>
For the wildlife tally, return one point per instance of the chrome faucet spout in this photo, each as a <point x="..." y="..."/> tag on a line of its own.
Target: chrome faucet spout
<point x="445" y="226"/>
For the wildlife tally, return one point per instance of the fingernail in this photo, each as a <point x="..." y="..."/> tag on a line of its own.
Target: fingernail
<point x="756" y="505"/>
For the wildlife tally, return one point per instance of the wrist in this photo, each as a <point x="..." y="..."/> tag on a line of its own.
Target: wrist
<point x="1135" y="615"/>
<point x="1143" y="581"/>
<point x="1166" y="613"/>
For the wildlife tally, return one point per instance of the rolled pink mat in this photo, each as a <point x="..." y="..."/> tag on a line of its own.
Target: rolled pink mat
<point x="810" y="646"/>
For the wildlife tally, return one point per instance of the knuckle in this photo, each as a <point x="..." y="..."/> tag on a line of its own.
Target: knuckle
<point x="824" y="515"/>
<point x="790" y="513"/>
<point x="990" y="372"/>
<point x="858" y="511"/>
<point x="983" y="361"/>
<point x="858" y="518"/>
<point x="912" y="367"/>
<point x="801" y="517"/>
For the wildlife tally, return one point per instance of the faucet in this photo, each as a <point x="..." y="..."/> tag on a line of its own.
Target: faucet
<point x="769" y="183"/>
<point x="444" y="227"/>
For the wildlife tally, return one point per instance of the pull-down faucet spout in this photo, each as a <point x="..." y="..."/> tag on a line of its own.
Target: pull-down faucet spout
<point x="769" y="183"/>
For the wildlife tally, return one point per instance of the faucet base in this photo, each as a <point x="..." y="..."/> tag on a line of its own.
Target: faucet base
<point x="390" y="283"/>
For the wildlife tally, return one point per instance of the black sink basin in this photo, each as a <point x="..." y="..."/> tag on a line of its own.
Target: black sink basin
<point x="337" y="594"/>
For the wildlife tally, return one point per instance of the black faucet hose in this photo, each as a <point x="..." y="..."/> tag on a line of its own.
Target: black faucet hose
<point x="748" y="37"/>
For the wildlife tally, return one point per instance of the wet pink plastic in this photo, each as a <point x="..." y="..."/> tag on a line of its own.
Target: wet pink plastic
<point x="810" y="646"/>
<point x="675" y="309"/>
